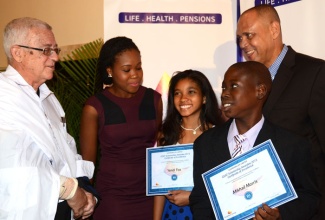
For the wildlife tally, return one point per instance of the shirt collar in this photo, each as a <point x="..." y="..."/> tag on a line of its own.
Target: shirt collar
<point x="251" y="134"/>
<point x="275" y="66"/>
<point x="12" y="74"/>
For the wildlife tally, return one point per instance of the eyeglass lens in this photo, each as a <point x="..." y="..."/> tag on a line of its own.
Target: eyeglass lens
<point x="48" y="51"/>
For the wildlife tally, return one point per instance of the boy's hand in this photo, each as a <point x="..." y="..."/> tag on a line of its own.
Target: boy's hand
<point x="265" y="212"/>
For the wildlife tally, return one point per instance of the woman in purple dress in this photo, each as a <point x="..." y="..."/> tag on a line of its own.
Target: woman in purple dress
<point x="123" y="119"/>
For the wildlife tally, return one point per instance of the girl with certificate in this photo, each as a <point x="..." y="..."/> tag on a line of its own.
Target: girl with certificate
<point x="192" y="109"/>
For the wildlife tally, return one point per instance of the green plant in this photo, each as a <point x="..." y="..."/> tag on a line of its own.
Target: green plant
<point x="74" y="82"/>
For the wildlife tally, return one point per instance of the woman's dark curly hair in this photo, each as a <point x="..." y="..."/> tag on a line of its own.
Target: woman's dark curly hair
<point x="210" y="112"/>
<point x="107" y="56"/>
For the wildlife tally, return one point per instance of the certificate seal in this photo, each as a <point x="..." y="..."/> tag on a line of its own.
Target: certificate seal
<point x="248" y="195"/>
<point x="174" y="177"/>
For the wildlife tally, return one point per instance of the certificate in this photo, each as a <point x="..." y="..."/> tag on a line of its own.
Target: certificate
<point x="239" y="186"/>
<point x="169" y="168"/>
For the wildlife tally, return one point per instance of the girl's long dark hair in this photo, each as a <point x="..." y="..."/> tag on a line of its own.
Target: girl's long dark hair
<point x="210" y="112"/>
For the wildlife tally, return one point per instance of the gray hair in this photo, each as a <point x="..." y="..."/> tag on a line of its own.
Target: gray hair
<point x="17" y="30"/>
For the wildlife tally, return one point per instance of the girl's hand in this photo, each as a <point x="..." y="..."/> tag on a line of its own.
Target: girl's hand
<point x="179" y="197"/>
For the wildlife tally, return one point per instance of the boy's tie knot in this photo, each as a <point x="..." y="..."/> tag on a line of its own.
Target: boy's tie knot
<point x="238" y="148"/>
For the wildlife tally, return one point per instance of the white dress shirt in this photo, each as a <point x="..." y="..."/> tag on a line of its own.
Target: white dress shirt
<point x="35" y="149"/>
<point x="251" y="136"/>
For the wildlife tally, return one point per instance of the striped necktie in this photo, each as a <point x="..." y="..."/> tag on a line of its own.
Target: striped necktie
<point x="238" y="148"/>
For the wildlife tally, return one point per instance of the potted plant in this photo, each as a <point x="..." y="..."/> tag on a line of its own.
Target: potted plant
<point x="74" y="82"/>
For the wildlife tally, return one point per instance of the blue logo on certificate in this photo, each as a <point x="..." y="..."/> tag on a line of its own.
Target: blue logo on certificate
<point x="248" y="195"/>
<point x="174" y="177"/>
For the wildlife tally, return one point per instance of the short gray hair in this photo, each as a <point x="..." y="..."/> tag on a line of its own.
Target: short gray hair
<point x="17" y="30"/>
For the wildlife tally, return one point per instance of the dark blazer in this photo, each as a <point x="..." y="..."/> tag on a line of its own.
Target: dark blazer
<point x="297" y="102"/>
<point x="211" y="149"/>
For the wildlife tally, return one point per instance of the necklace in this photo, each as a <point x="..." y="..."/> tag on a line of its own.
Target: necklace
<point x="190" y="129"/>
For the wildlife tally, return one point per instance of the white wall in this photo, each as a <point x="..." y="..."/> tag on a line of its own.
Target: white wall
<point x="73" y="21"/>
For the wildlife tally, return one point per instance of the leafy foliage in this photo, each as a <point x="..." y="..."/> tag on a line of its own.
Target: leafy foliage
<point x="74" y="82"/>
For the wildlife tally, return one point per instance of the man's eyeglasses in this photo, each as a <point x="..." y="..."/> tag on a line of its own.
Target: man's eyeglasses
<point x="47" y="51"/>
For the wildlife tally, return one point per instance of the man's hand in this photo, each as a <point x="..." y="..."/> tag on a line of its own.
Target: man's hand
<point x="265" y="212"/>
<point x="78" y="203"/>
<point x="90" y="207"/>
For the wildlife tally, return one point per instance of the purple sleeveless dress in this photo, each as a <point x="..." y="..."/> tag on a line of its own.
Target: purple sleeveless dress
<point x="127" y="126"/>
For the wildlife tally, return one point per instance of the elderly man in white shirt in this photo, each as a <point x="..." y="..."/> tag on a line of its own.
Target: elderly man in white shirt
<point x="39" y="163"/>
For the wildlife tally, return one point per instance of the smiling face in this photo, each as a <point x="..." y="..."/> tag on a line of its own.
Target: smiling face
<point x="259" y="38"/>
<point x="126" y="73"/>
<point x="240" y="95"/>
<point x="35" y="67"/>
<point x="188" y="98"/>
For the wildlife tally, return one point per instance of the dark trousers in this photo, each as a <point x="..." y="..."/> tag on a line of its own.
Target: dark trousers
<point x="63" y="211"/>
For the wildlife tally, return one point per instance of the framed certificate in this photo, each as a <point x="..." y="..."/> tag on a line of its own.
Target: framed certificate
<point x="169" y="168"/>
<point x="239" y="186"/>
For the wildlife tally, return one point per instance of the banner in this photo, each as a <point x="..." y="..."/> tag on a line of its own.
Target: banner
<point x="175" y="35"/>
